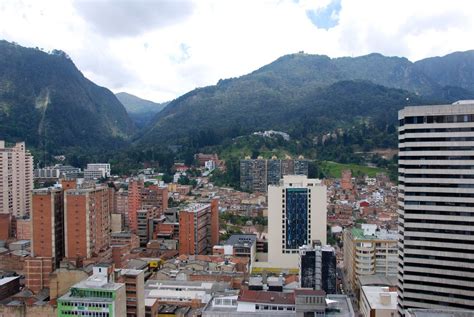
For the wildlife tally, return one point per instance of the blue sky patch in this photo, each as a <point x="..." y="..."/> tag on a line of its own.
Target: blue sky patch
<point x="327" y="17"/>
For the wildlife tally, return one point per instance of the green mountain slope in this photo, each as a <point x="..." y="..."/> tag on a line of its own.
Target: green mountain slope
<point x="141" y="111"/>
<point x="456" y="69"/>
<point x="303" y="93"/>
<point x="46" y="101"/>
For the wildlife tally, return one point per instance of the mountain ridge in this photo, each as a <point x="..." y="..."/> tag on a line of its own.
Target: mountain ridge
<point x="283" y="84"/>
<point x="46" y="101"/>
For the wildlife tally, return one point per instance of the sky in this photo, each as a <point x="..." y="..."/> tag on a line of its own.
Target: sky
<point x="161" y="49"/>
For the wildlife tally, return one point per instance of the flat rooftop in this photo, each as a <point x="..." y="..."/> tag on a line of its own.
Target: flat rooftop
<point x="373" y="296"/>
<point x="358" y="233"/>
<point x="339" y="306"/>
<point x="238" y="239"/>
<point x="196" y="207"/>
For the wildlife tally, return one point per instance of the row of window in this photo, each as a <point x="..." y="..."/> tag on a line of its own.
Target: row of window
<point x="436" y="148"/>
<point x="437" y="119"/>
<point x="437" y="139"/>
<point x="84" y="313"/>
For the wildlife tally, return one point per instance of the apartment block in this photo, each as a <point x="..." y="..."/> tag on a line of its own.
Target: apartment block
<point x="47" y="224"/>
<point x="368" y="251"/>
<point x="257" y="174"/>
<point x="198" y="228"/>
<point x="436" y="207"/>
<point x="297" y="211"/>
<point x="16" y="180"/>
<point x="87" y="223"/>
<point x="134" y="202"/>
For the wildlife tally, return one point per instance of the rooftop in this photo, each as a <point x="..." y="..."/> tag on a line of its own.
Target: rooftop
<point x="196" y="207"/>
<point x="6" y="280"/>
<point x="358" y="233"/>
<point x="303" y="291"/>
<point x="339" y="306"/>
<point x="131" y="272"/>
<point x="98" y="282"/>
<point x="267" y="297"/>
<point x="376" y="294"/>
<point x="237" y="239"/>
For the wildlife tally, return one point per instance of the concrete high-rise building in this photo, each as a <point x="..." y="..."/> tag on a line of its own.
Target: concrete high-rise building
<point x="368" y="251"/>
<point x="16" y="180"/>
<point x="87" y="223"/>
<point x="257" y="174"/>
<point x="198" y="228"/>
<point x="436" y="207"/>
<point x="317" y="268"/>
<point x="297" y="211"/>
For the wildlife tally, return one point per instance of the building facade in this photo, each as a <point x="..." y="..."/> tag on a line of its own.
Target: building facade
<point x="297" y="211"/>
<point x="369" y="251"/>
<point x="436" y="207"/>
<point x="317" y="268"/>
<point x="16" y="180"/>
<point x="198" y="228"/>
<point x="47" y="224"/>
<point x="87" y="222"/>
<point x="97" y="170"/>
<point x="257" y="174"/>
<point x="96" y="296"/>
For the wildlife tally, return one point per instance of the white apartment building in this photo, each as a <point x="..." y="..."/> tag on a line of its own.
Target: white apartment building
<point x="436" y="207"/>
<point x="369" y="251"/>
<point x="97" y="170"/>
<point x="297" y="210"/>
<point x="16" y="179"/>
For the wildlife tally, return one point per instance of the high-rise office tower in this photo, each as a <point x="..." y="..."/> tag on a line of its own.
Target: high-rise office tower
<point x="16" y="180"/>
<point x="297" y="211"/>
<point x="317" y="268"/>
<point x="436" y="206"/>
<point x="87" y="223"/>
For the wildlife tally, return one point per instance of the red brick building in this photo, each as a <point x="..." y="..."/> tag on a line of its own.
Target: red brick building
<point x="198" y="228"/>
<point x="87" y="223"/>
<point x="134" y="202"/>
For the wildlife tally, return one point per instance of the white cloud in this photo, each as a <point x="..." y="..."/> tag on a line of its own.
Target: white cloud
<point x="162" y="49"/>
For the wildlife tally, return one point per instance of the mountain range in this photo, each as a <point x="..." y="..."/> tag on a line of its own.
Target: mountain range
<point x="141" y="111"/>
<point x="46" y="101"/>
<point x="311" y="87"/>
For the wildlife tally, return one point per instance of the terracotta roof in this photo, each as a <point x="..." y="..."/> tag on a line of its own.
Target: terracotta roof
<point x="305" y="291"/>
<point x="267" y="297"/>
